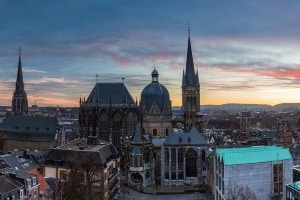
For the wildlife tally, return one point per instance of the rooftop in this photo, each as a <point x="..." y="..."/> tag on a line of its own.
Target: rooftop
<point x="255" y="154"/>
<point x="295" y="185"/>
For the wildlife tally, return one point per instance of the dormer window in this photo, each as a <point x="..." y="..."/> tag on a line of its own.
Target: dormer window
<point x="21" y="193"/>
<point x="28" y="183"/>
<point x="33" y="180"/>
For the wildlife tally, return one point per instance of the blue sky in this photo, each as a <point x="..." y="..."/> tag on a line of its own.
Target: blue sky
<point x="245" y="51"/>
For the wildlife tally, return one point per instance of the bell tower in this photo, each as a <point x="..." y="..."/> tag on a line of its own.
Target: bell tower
<point x="190" y="91"/>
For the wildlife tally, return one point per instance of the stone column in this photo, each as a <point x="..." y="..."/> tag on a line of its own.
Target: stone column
<point x="184" y="165"/>
<point x="162" y="164"/>
<point x="176" y="165"/>
<point x="170" y="165"/>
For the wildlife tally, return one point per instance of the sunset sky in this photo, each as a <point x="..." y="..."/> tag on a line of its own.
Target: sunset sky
<point x="245" y="51"/>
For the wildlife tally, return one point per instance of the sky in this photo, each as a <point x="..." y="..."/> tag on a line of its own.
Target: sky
<point x="244" y="51"/>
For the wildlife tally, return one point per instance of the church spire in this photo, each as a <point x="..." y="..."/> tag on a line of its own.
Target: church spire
<point x="190" y="78"/>
<point x="19" y="101"/>
<point x="19" y="82"/>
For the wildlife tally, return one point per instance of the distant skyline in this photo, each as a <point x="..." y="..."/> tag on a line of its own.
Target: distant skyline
<point x="245" y="51"/>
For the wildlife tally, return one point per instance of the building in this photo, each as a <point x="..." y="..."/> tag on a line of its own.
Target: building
<point x="264" y="170"/>
<point x="11" y="188"/>
<point x="156" y="109"/>
<point x="141" y="165"/>
<point x="29" y="132"/>
<point x="109" y="113"/>
<point x="19" y="100"/>
<point x="293" y="191"/>
<point x="190" y="93"/>
<point x="88" y="167"/>
<point x="28" y="180"/>
<point x="183" y="159"/>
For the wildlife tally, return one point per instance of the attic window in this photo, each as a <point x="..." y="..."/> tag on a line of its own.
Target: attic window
<point x="16" y="127"/>
<point x="37" y="128"/>
<point x="27" y="127"/>
<point x="180" y="140"/>
<point x="47" y="128"/>
<point x="189" y="139"/>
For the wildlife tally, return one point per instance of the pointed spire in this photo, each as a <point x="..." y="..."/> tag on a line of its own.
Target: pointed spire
<point x="19" y="101"/>
<point x="190" y="72"/>
<point x="19" y="82"/>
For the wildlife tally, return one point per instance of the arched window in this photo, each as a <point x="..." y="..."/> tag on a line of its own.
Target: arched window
<point x="191" y="163"/>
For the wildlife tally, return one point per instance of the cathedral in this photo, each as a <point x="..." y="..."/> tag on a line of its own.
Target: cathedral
<point x="152" y="153"/>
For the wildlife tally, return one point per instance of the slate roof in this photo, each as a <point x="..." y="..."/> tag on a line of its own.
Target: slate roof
<point x="189" y="77"/>
<point x="106" y="93"/>
<point x="191" y="138"/>
<point x="155" y="92"/>
<point x="19" y="174"/>
<point x="100" y="154"/>
<point x="138" y="138"/>
<point x="34" y="128"/>
<point x="255" y="154"/>
<point x="9" y="185"/>
<point x="3" y="164"/>
<point x="17" y="161"/>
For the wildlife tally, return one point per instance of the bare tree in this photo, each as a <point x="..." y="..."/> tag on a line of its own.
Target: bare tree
<point x="239" y="192"/>
<point x="83" y="180"/>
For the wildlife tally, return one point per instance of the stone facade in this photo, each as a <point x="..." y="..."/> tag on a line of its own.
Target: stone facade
<point x="265" y="178"/>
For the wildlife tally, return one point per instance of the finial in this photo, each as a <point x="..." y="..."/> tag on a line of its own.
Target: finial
<point x="19" y="51"/>
<point x="189" y="30"/>
<point x="97" y="77"/>
<point x="123" y="79"/>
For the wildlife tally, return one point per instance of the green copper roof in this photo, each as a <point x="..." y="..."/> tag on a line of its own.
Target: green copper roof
<point x="295" y="185"/>
<point x="256" y="154"/>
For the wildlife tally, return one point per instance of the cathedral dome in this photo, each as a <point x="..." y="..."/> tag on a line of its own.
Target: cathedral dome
<point x="155" y="95"/>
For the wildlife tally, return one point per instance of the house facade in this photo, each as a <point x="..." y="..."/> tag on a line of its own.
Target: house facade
<point x="88" y="167"/>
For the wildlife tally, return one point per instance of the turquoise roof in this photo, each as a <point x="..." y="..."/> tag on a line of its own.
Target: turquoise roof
<point x="255" y="154"/>
<point x="295" y="185"/>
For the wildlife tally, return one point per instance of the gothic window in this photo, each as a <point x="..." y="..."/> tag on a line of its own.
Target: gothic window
<point x="116" y="131"/>
<point x="173" y="156"/>
<point x="180" y="158"/>
<point x="166" y="155"/>
<point x="203" y="155"/>
<point x="103" y="132"/>
<point x="131" y="122"/>
<point x="191" y="163"/>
